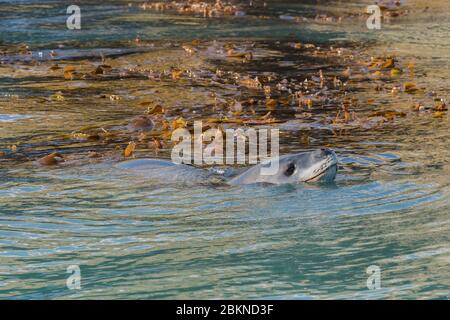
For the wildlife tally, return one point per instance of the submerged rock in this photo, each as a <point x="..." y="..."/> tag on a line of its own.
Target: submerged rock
<point x="51" y="159"/>
<point x="141" y="123"/>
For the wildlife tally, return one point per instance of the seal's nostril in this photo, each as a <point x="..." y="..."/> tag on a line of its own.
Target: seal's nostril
<point x="326" y="152"/>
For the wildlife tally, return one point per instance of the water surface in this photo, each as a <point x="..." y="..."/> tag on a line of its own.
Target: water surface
<point x="134" y="239"/>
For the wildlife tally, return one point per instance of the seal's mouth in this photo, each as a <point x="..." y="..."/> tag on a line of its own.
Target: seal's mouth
<point x="330" y="171"/>
<point x="326" y="171"/>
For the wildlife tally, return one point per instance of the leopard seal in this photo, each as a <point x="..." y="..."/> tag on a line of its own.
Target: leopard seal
<point x="308" y="166"/>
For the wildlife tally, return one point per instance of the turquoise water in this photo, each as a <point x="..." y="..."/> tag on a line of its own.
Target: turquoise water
<point x="135" y="240"/>
<point x="132" y="239"/>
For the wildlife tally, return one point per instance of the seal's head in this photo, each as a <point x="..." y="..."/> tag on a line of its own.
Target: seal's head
<point x="309" y="166"/>
<point x="313" y="166"/>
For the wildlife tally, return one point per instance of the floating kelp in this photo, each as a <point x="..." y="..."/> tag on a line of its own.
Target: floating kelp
<point x="174" y="85"/>
<point x="129" y="150"/>
<point x="206" y="9"/>
<point x="388" y="114"/>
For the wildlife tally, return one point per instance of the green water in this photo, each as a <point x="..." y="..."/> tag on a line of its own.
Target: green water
<point x="132" y="239"/>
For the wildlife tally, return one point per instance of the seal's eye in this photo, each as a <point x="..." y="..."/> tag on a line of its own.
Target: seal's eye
<point x="290" y="170"/>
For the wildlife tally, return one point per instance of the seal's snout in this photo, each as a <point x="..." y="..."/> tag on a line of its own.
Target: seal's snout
<point x="327" y="152"/>
<point x="323" y="166"/>
<point x="324" y="153"/>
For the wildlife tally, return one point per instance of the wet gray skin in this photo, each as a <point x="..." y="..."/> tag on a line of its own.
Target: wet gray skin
<point x="309" y="166"/>
<point x="163" y="171"/>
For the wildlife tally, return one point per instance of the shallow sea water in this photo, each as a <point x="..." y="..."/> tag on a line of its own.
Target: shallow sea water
<point x="389" y="206"/>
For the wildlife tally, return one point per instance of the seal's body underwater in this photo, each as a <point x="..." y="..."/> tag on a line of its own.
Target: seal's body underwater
<point x="309" y="166"/>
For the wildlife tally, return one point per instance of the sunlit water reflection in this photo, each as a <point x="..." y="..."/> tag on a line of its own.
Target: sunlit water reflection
<point x="134" y="239"/>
